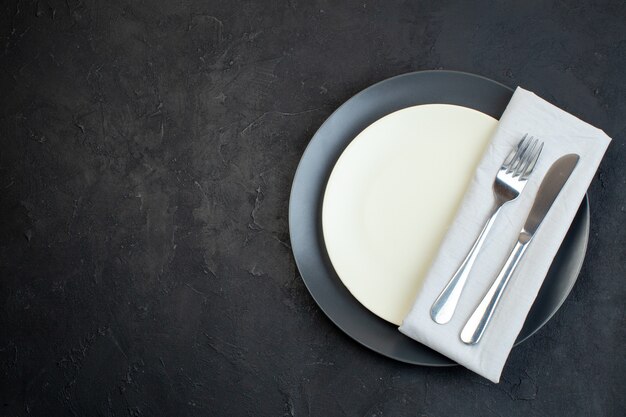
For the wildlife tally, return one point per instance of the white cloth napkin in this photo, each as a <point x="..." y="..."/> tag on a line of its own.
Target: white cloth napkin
<point x="562" y="134"/>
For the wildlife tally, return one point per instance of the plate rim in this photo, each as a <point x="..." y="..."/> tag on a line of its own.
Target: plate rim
<point x="585" y="206"/>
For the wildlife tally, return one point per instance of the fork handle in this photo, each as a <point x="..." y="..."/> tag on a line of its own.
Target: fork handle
<point x="444" y="306"/>
<point x="478" y="321"/>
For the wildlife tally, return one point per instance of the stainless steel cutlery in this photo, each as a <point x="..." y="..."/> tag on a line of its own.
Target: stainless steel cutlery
<point x="549" y="189"/>
<point x="509" y="183"/>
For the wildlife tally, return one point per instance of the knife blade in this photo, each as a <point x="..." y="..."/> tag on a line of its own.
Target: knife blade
<point x="550" y="188"/>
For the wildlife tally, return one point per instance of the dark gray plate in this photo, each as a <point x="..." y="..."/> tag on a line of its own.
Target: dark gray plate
<point x="309" y="184"/>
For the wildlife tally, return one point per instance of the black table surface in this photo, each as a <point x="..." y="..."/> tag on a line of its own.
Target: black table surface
<point x="147" y="153"/>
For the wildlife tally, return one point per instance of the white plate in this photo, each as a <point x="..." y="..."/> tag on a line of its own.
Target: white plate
<point x="391" y="197"/>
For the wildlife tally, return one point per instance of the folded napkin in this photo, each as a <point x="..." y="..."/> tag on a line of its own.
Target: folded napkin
<point x="562" y="134"/>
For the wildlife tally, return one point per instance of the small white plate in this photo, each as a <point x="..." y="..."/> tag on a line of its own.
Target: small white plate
<point x="392" y="195"/>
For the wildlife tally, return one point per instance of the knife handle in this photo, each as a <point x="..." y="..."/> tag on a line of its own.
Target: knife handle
<point x="477" y="323"/>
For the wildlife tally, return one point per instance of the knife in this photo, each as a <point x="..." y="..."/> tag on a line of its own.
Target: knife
<point x="548" y="191"/>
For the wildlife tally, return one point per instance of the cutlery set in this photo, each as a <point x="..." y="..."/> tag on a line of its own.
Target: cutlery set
<point x="508" y="185"/>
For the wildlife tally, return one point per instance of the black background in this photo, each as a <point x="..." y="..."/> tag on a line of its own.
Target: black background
<point x="147" y="152"/>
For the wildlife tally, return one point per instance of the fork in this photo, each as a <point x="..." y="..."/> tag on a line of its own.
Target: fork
<point x="509" y="183"/>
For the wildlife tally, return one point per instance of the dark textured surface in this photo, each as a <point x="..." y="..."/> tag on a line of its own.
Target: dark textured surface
<point x="147" y="154"/>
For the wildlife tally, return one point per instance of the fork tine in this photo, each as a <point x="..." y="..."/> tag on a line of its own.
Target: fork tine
<point x="518" y="155"/>
<point x="516" y="152"/>
<point x="532" y="163"/>
<point x="526" y="159"/>
<point x="522" y="155"/>
<point x="511" y="156"/>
